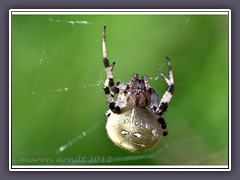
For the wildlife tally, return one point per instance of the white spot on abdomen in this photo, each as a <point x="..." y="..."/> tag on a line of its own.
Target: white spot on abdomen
<point x="154" y="133"/>
<point x="138" y="135"/>
<point x="123" y="132"/>
<point x="146" y="125"/>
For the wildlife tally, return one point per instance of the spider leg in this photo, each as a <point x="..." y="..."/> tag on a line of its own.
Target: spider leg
<point x="154" y="104"/>
<point x="121" y="100"/>
<point x="166" y="98"/>
<point x="154" y="100"/>
<point x="146" y="82"/>
<point x="161" y="107"/>
<point x="109" y="80"/>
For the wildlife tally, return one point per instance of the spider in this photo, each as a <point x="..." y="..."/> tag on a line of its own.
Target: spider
<point x="135" y="120"/>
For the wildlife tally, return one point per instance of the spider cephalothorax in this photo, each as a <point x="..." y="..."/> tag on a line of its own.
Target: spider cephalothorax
<point x="135" y="120"/>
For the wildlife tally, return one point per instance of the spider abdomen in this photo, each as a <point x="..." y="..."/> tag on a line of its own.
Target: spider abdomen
<point x="135" y="129"/>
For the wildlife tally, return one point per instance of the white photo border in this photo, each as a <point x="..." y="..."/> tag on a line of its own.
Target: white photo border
<point x="121" y="12"/>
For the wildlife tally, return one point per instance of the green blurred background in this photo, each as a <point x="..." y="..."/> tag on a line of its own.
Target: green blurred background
<point x="58" y="100"/>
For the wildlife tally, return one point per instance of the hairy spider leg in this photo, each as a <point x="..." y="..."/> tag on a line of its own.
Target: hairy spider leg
<point x="166" y="98"/>
<point x="109" y="82"/>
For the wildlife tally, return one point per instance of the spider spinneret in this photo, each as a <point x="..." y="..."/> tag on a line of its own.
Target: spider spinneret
<point x="135" y="120"/>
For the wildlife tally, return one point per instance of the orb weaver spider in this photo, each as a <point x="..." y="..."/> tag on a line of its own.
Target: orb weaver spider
<point x="135" y="120"/>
